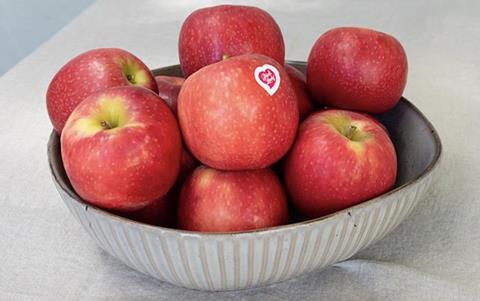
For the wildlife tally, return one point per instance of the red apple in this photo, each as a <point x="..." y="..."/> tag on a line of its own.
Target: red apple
<point x="187" y="165"/>
<point x="220" y="201"/>
<point x="357" y="69"/>
<point x="93" y="71"/>
<point x="210" y="34"/>
<point x="239" y="113"/>
<point x="297" y="78"/>
<point x="168" y="89"/>
<point x="339" y="159"/>
<point x="121" y="148"/>
<point x="161" y="212"/>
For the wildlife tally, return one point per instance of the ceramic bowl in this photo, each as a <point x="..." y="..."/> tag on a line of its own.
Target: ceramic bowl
<point x="227" y="261"/>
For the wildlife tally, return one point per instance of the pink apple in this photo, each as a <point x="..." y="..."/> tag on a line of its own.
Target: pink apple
<point x="357" y="69"/>
<point x="240" y="113"/>
<point x="210" y="34"/>
<point x="339" y="159"/>
<point x="187" y="165"/>
<point x="121" y="148"/>
<point x="297" y="78"/>
<point x="168" y="89"/>
<point x="220" y="201"/>
<point x="161" y="212"/>
<point x="93" y="71"/>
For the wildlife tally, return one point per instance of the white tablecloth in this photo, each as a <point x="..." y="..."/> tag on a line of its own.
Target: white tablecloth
<point x="433" y="255"/>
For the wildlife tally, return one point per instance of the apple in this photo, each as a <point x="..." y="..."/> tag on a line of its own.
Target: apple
<point x="187" y="165"/>
<point x="221" y="201"/>
<point x="93" y="71"/>
<point x="168" y="89"/>
<point x="298" y="80"/>
<point x="357" y="69"/>
<point x="339" y="159"/>
<point x="121" y="148"/>
<point x="210" y="34"/>
<point x="161" y="212"/>
<point x="240" y="113"/>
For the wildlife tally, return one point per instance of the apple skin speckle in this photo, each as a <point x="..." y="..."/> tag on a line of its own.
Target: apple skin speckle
<point x="357" y="69"/>
<point x="237" y="127"/>
<point x="220" y="201"/>
<point x="89" y="72"/>
<point x="208" y="34"/>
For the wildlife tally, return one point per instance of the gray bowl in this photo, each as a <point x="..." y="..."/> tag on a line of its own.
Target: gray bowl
<point x="226" y="261"/>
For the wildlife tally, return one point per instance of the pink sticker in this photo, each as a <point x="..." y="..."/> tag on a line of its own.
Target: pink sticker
<point x="268" y="78"/>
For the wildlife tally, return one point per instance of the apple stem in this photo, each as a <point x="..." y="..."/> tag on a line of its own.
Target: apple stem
<point x="225" y="56"/>
<point x="130" y="78"/>
<point x="351" y="132"/>
<point x="105" y="125"/>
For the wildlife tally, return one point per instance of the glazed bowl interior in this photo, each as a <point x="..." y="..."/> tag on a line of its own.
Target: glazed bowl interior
<point x="416" y="142"/>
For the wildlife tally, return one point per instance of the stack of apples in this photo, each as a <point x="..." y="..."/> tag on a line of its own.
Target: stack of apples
<point x="197" y="152"/>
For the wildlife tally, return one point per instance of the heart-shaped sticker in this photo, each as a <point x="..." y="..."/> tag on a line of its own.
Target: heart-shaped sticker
<point x="268" y="77"/>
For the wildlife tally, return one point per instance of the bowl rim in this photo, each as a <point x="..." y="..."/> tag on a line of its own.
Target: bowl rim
<point x="306" y="223"/>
